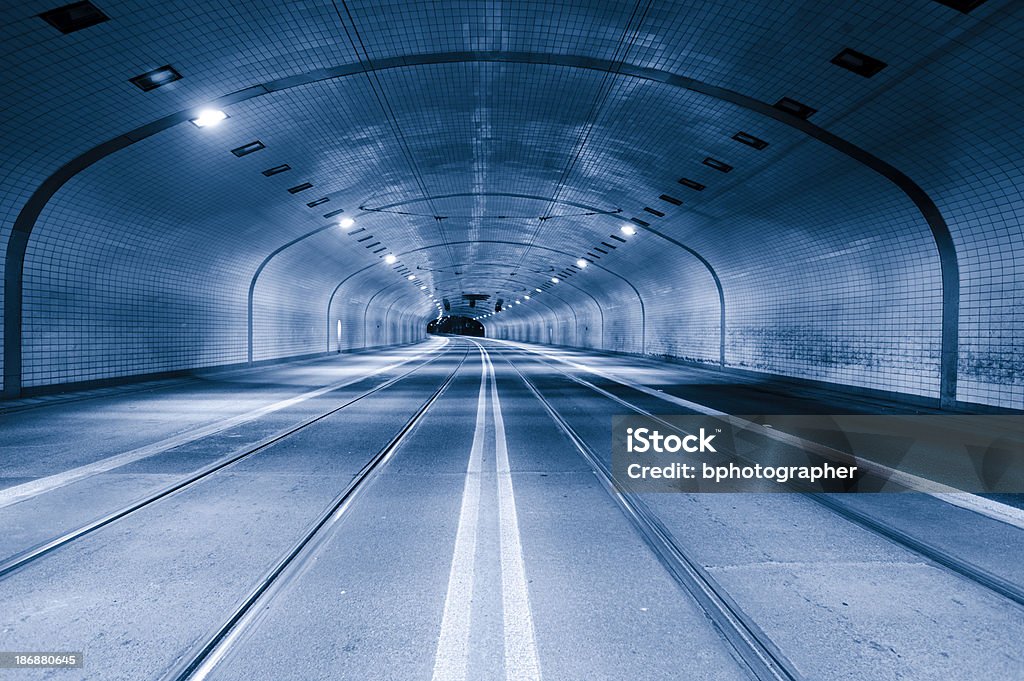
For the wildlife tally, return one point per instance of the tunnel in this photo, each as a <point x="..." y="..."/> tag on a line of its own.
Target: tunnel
<point x="458" y="325"/>
<point x="467" y="341"/>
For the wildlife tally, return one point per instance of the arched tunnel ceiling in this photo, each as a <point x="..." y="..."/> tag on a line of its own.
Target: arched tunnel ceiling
<point x="489" y="176"/>
<point x="469" y="131"/>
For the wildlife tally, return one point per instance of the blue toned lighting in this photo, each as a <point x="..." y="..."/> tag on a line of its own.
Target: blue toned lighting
<point x="208" y="118"/>
<point x="151" y="80"/>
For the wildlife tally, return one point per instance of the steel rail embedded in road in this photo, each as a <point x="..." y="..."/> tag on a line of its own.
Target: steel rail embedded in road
<point x="963" y="568"/>
<point x="28" y="556"/>
<point x="201" y="662"/>
<point x="752" y="646"/>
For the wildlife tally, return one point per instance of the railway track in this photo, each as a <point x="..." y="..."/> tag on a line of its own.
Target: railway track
<point x="746" y="640"/>
<point x="750" y="645"/>
<point x="198" y="663"/>
<point x="31" y="555"/>
<point x="954" y="563"/>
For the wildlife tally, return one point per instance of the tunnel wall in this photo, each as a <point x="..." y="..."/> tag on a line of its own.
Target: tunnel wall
<point x="837" y="282"/>
<point x="288" y="305"/>
<point x="847" y="289"/>
<point x="849" y="296"/>
<point x="584" y="325"/>
<point x="561" y="323"/>
<point x="292" y="294"/>
<point x="106" y="299"/>
<point x="385" y="321"/>
<point x="956" y="143"/>
<point x="938" y="113"/>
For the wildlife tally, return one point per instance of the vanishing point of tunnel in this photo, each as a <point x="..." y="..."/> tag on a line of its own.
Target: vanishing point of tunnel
<point x="510" y="340"/>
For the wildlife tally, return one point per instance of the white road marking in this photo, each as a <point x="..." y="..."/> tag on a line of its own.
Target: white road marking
<point x="521" y="660"/>
<point x="995" y="510"/>
<point x="451" y="662"/>
<point x="18" y="493"/>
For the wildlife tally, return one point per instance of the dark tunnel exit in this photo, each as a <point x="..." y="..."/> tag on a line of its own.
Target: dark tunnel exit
<point x="463" y="326"/>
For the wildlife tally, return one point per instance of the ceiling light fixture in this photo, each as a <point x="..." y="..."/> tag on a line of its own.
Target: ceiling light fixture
<point x="151" y="80"/>
<point x="628" y="230"/>
<point x="555" y="280"/>
<point x="581" y="263"/>
<point x="798" y="109"/>
<point x="207" y="118"/>
<point x="390" y="258"/>
<point x="720" y="166"/>
<point x="963" y="6"/>
<point x="858" y="62"/>
<point x="74" y="17"/>
<point x="750" y="140"/>
<point x="249" y="148"/>
<point x="277" y="169"/>
<point x="411" y="277"/>
<point x="346" y="223"/>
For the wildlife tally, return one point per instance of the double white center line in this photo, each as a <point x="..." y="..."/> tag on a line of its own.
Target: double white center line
<point x="451" y="662"/>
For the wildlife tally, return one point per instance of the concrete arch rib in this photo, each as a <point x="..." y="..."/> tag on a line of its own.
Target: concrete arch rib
<point x="366" y="211"/>
<point x="367" y="309"/>
<point x="600" y="311"/>
<point x="29" y="214"/>
<point x="718" y="287"/>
